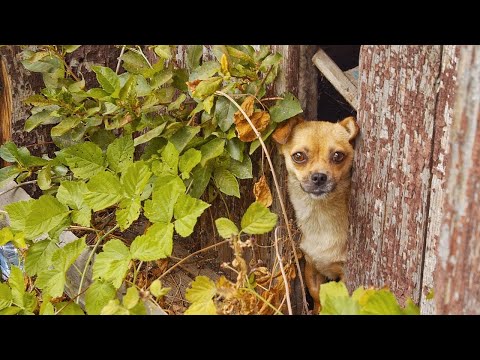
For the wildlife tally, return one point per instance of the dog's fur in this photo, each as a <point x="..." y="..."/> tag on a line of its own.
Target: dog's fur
<point x="321" y="206"/>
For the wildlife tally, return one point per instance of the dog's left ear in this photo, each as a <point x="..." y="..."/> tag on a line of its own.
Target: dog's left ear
<point x="283" y="131"/>
<point x="351" y="126"/>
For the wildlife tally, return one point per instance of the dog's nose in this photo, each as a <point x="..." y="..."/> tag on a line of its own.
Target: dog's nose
<point x="319" y="178"/>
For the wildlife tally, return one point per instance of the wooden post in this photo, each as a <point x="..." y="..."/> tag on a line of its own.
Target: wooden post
<point x="458" y="266"/>
<point x="404" y="102"/>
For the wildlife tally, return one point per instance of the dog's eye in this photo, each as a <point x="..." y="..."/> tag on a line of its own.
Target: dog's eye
<point x="337" y="157"/>
<point x="299" y="157"/>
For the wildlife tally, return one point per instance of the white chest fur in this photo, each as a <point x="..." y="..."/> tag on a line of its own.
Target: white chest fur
<point x="323" y="222"/>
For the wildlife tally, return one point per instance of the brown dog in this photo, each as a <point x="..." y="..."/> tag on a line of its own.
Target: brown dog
<point x="318" y="157"/>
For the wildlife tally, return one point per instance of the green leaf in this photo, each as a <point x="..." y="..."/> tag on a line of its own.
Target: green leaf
<point x="332" y="289"/>
<point x="226" y="227"/>
<point x="336" y="301"/>
<point x="68" y="308"/>
<point x="129" y="89"/>
<point x="135" y="178"/>
<point x="188" y="161"/>
<point x="107" y="79"/>
<point x="202" y="308"/>
<point x="134" y="63"/>
<point x="82" y="217"/>
<point x="12" y="310"/>
<point x="235" y="149"/>
<point x="236" y="53"/>
<point x="226" y="182"/>
<point x="200" y="177"/>
<point x="29" y="303"/>
<point x="258" y="219"/>
<point x="411" y="308"/>
<point x="98" y="295"/>
<point x="65" y="125"/>
<point x="161" y="78"/>
<point x="5" y="296"/>
<point x="186" y="210"/>
<point x="176" y="104"/>
<point x="157" y="243"/>
<point x="39" y="257"/>
<point x="131" y="298"/>
<point x="71" y="193"/>
<point x="207" y="87"/>
<point x="224" y="111"/>
<point x="44" y="178"/>
<point x="208" y="104"/>
<point x="286" y="108"/>
<point x="17" y="286"/>
<point x="194" y="55"/>
<point x="45" y="214"/>
<point x="104" y="191"/>
<point x="204" y="71"/>
<point x="160" y="208"/>
<point x="128" y="212"/>
<point x="44" y="117"/>
<point x="9" y="152"/>
<point x="170" y="156"/>
<point x="112" y="263"/>
<point x="64" y="257"/>
<point x="70" y="48"/>
<point x="149" y="135"/>
<point x="183" y="136"/>
<point x="242" y="170"/>
<point x="6" y="235"/>
<point x="120" y="153"/>
<point x="85" y="159"/>
<point x="255" y="144"/>
<point x="114" y="308"/>
<point x="163" y="51"/>
<point x="18" y="213"/>
<point x="7" y="174"/>
<point x="211" y="150"/>
<point x="142" y="88"/>
<point x="381" y="302"/>
<point x="157" y="289"/>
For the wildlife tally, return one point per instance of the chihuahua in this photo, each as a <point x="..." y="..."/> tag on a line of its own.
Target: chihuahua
<point x="318" y="157"/>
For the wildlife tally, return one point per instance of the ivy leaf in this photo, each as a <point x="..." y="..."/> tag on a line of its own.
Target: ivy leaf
<point x="107" y="78"/>
<point x="43" y="117"/>
<point x="258" y="219"/>
<point x="131" y="298"/>
<point x="5" y="296"/>
<point x="135" y="178"/>
<point x="98" y="295"/>
<point x="129" y="89"/>
<point x="104" y="191"/>
<point x="186" y="210"/>
<point x="242" y="170"/>
<point x="211" y="150"/>
<point x="200" y="177"/>
<point x="120" y="153"/>
<point x="65" y="125"/>
<point x="194" y="55"/>
<point x="134" y="63"/>
<point x="156" y="244"/>
<point x="45" y="214"/>
<point x="286" y="108"/>
<point x="128" y="212"/>
<point x="39" y="257"/>
<point x="160" y="208"/>
<point x="183" y="136"/>
<point x="226" y="227"/>
<point x="200" y="294"/>
<point x="204" y="71"/>
<point x="188" y="161"/>
<point x="71" y="193"/>
<point x="224" y="111"/>
<point x="18" y="213"/>
<point x="226" y="182"/>
<point x="207" y="87"/>
<point x="85" y="159"/>
<point x="9" y="152"/>
<point x="112" y="263"/>
<point x="170" y="157"/>
<point x="149" y="135"/>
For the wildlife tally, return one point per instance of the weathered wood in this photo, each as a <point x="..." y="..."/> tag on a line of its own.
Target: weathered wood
<point x="446" y="87"/>
<point x="6" y="108"/>
<point x="336" y="77"/>
<point x="389" y="207"/>
<point x="458" y="268"/>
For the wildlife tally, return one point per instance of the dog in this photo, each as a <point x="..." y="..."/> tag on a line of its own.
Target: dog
<point x="318" y="157"/>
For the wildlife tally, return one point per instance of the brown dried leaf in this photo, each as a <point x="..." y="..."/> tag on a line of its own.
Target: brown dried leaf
<point x="225" y="288"/>
<point x="192" y="85"/>
<point x="260" y="120"/>
<point x="262" y="192"/>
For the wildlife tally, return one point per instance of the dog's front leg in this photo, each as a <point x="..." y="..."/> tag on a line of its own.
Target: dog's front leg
<point x="313" y="279"/>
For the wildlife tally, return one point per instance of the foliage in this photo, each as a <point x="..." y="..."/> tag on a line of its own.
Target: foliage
<point x="146" y="143"/>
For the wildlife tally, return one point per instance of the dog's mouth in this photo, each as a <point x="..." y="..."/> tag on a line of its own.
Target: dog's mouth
<point x="317" y="192"/>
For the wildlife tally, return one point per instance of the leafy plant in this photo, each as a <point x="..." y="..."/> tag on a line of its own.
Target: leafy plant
<point x="145" y="145"/>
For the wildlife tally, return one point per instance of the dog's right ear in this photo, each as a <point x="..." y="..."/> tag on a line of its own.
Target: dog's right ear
<point x="283" y="131"/>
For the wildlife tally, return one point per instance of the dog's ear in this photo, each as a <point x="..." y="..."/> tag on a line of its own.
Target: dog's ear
<point x="283" y="131"/>
<point x="351" y="126"/>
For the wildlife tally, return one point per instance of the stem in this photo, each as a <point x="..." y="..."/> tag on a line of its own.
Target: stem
<point x="287" y="289"/>
<point x="90" y="258"/>
<point x="120" y="59"/>
<point x="137" y="271"/>
<point x="17" y="186"/>
<point x="277" y="188"/>
<point x="277" y="312"/>
<point x="192" y="254"/>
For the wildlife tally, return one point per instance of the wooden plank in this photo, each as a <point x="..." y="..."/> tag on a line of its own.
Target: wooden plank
<point x="389" y="205"/>
<point x="458" y="268"/>
<point x="6" y="107"/>
<point x="353" y="75"/>
<point x="446" y="86"/>
<point x="336" y="76"/>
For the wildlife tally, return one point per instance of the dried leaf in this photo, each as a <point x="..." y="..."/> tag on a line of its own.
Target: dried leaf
<point x="260" y="120"/>
<point x="192" y="85"/>
<point x="262" y="192"/>
<point x="247" y="106"/>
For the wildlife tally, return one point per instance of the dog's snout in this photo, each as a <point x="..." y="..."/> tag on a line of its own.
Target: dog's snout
<point x="319" y="178"/>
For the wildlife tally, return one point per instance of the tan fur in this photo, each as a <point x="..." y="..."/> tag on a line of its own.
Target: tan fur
<point x="323" y="219"/>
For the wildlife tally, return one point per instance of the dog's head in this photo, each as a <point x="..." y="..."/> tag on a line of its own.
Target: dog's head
<point x="318" y="153"/>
